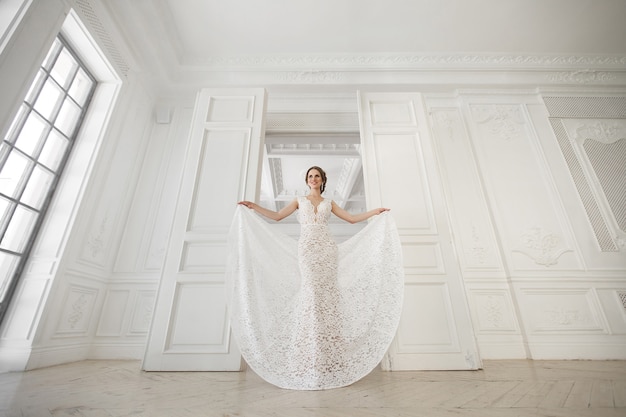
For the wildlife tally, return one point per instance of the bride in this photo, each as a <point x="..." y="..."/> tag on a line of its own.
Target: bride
<point x="313" y="314"/>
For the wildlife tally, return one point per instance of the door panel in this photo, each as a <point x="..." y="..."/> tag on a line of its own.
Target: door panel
<point x="190" y="328"/>
<point x="400" y="172"/>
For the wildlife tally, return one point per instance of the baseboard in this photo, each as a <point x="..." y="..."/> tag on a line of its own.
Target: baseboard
<point x="42" y="357"/>
<point x="499" y="351"/>
<point x="117" y="351"/>
<point x="571" y="351"/>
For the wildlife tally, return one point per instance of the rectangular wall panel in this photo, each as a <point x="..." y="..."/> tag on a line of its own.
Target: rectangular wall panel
<point x="399" y="163"/>
<point x="205" y="306"/>
<point x="400" y="172"/>
<point x="191" y="329"/>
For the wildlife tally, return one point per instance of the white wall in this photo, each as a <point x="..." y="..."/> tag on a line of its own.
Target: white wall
<point x="538" y="282"/>
<point x="71" y="279"/>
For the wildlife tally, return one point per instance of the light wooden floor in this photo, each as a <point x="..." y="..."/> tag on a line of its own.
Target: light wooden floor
<point x="502" y="389"/>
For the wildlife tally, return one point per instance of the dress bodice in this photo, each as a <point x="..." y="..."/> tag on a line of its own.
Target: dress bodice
<point x="308" y="213"/>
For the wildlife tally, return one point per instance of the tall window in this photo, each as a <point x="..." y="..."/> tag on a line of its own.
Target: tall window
<point x="33" y="154"/>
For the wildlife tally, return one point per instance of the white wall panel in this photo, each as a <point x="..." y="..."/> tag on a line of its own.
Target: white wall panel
<point x="494" y="311"/>
<point x="203" y="256"/>
<point x="478" y="249"/>
<point x="204" y="305"/>
<point x="561" y="310"/>
<point x="77" y="311"/>
<point x="226" y="146"/>
<point x="113" y="313"/>
<point x="141" y="313"/>
<point x="412" y="209"/>
<point x="491" y="303"/>
<point x="422" y="258"/>
<point x="435" y="335"/>
<point x="400" y="172"/>
<point x="519" y="187"/>
<point x="190" y="329"/>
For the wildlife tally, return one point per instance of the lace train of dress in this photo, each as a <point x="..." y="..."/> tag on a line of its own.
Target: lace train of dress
<point x="312" y="314"/>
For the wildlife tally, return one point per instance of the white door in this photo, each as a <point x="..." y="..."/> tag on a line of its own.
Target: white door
<point x="400" y="172"/>
<point x="190" y="328"/>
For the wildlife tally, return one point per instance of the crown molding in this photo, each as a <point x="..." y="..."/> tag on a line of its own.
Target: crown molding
<point x="412" y="61"/>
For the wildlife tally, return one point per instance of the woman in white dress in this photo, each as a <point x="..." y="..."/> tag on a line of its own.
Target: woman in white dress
<point x="314" y="315"/>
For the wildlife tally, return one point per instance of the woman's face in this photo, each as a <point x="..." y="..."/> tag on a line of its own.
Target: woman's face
<point x="314" y="179"/>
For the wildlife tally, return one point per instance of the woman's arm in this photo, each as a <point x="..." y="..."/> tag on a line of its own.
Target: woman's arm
<point x="350" y="218"/>
<point x="270" y="214"/>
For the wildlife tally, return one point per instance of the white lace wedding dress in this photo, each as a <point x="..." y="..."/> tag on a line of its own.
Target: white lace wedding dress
<point x="311" y="314"/>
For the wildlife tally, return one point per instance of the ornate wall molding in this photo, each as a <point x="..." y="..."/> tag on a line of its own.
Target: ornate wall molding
<point x="591" y="133"/>
<point x="541" y="246"/>
<point x="504" y="121"/>
<point x="503" y="61"/>
<point x="309" y="77"/>
<point x="582" y="77"/>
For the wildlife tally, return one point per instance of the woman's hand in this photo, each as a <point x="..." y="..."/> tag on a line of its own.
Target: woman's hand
<point x="271" y="214"/>
<point x="381" y="210"/>
<point x="248" y="204"/>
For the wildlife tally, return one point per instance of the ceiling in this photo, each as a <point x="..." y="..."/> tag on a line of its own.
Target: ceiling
<point x="166" y="36"/>
<point x="185" y="43"/>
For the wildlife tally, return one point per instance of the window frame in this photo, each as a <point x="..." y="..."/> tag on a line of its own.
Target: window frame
<point x="9" y="145"/>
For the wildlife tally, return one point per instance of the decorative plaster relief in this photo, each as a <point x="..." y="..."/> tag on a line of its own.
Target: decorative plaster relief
<point x="600" y="146"/>
<point x="95" y="242"/>
<point x="503" y="121"/>
<point x="478" y="251"/>
<point x="310" y="77"/>
<point x="142" y="313"/>
<point x="421" y="60"/>
<point x="561" y="310"/>
<point x="605" y="131"/>
<point x="541" y="246"/>
<point x="493" y="312"/>
<point x="77" y="309"/>
<point x="565" y="317"/>
<point x="446" y="122"/>
<point x="582" y="77"/>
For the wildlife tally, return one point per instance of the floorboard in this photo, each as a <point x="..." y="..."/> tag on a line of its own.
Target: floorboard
<point x="502" y="389"/>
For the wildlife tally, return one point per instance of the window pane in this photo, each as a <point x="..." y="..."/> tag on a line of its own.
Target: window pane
<point x="8" y="263"/>
<point x="64" y="69"/>
<point x="53" y="151"/>
<point x="52" y="54"/>
<point x="37" y="188"/>
<point x="49" y="99"/>
<point x="68" y="117"/>
<point x="33" y="154"/>
<point x="80" y="87"/>
<point x="5" y="208"/>
<point x="19" y="229"/>
<point x="16" y="124"/>
<point x="36" y="86"/>
<point x="12" y="173"/>
<point x="31" y="134"/>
